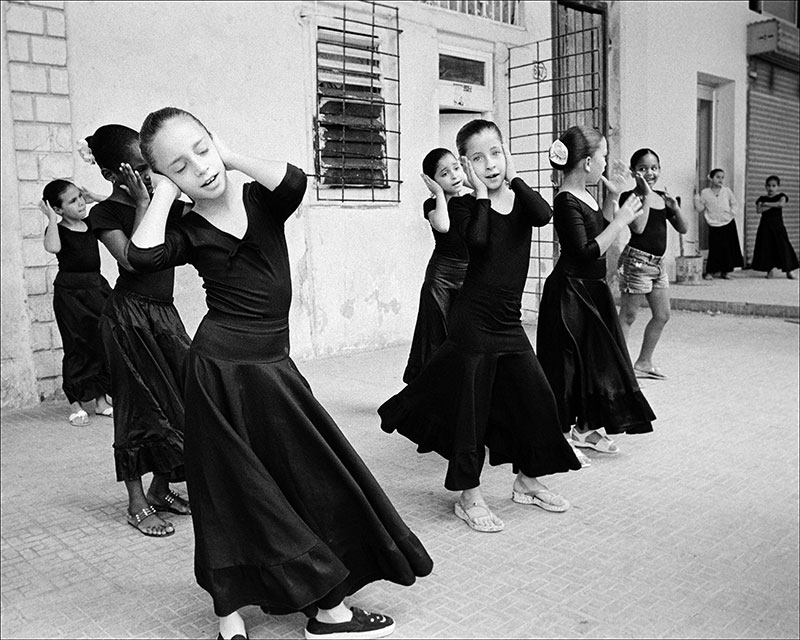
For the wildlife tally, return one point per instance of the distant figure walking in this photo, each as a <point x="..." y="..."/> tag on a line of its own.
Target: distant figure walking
<point x="718" y="206"/>
<point x="773" y="248"/>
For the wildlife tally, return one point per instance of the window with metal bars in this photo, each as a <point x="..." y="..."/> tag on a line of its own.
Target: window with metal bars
<point x="505" y="11"/>
<point x="357" y="122"/>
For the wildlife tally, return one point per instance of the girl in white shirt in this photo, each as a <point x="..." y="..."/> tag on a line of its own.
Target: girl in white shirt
<point x="718" y="206"/>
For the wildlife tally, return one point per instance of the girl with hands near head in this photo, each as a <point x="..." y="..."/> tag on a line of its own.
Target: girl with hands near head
<point x="579" y="339"/>
<point x="484" y="387"/>
<point x="79" y="295"/>
<point x="444" y="177"/>
<point x="641" y="269"/>
<point x="286" y="515"/>
<point x="144" y="339"/>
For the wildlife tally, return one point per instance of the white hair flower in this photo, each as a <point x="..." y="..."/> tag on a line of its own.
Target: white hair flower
<point x="85" y="152"/>
<point x="558" y="153"/>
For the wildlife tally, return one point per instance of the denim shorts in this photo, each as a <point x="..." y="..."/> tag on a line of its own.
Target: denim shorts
<point x="641" y="272"/>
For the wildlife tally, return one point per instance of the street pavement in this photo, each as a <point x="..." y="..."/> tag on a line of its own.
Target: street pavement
<point x="689" y="532"/>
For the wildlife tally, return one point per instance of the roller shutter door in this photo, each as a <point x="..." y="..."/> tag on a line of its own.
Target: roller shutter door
<point x="773" y="147"/>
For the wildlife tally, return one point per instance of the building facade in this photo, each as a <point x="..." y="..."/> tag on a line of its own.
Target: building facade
<point x="354" y="93"/>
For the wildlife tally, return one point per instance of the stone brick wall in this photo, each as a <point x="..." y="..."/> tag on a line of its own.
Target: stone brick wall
<point x="36" y="39"/>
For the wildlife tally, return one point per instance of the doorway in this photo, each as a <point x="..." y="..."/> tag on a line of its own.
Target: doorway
<point x="705" y="152"/>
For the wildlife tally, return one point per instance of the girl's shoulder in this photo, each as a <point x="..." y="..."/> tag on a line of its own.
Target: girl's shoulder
<point x="569" y="199"/>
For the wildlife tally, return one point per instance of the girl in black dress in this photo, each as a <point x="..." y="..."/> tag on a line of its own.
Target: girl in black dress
<point x="79" y="294"/>
<point x="578" y="337"/>
<point x="443" y="175"/>
<point x="286" y="515"/>
<point x="773" y="248"/>
<point x="484" y="387"/>
<point x="146" y="345"/>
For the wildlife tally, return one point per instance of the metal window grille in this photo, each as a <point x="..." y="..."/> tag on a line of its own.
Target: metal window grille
<point x="505" y="11"/>
<point x="357" y="121"/>
<point x="553" y="84"/>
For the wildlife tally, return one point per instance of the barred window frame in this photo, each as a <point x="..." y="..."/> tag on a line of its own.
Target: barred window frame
<point x="356" y="124"/>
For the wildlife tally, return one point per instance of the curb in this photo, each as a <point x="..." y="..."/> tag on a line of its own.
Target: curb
<point x="736" y="308"/>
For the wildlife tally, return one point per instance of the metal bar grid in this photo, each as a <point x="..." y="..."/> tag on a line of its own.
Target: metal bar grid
<point x="550" y="83"/>
<point x="360" y="44"/>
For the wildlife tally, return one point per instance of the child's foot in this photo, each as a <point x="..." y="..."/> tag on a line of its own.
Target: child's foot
<point x="362" y="624"/>
<point x="530" y="491"/>
<point x="231" y="627"/>
<point x="593" y="439"/>
<point x="79" y="418"/>
<point x="169" y="501"/>
<point x="478" y="516"/>
<point x="790" y="275"/>
<point x="148" y="523"/>
<point x="102" y="408"/>
<point x="769" y="274"/>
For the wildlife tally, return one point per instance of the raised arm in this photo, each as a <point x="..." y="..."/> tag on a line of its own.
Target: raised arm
<point x="534" y="205"/>
<point x="674" y="213"/>
<point x="438" y="217"/>
<point x="150" y="230"/>
<point x="572" y="230"/>
<point x="51" y="239"/>
<point x="472" y="214"/>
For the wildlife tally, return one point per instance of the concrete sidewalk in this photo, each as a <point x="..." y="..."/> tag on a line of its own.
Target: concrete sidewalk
<point x="744" y="293"/>
<point x="690" y="532"/>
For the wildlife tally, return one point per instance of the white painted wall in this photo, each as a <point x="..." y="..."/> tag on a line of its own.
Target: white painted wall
<point x="247" y="70"/>
<point x="664" y="47"/>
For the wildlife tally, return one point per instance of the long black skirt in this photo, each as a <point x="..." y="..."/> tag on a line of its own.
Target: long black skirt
<point x="773" y="248"/>
<point x="443" y="279"/>
<point x="286" y="515"/>
<point x="78" y="301"/>
<point x="465" y="401"/>
<point x="724" y="252"/>
<point x="147" y="346"/>
<point x="583" y="353"/>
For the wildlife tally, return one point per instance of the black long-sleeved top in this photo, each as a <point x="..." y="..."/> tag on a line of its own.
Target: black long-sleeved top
<point x="577" y="226"/>
<point x="247" y="277"/>
<point x="499" y="245"/>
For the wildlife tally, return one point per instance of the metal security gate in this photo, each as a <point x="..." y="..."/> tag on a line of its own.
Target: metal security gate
<point x="553" y="84"/>
<point x="773" y="145"/>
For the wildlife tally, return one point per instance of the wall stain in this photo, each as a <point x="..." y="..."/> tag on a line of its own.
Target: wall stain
<point x="348" y="308"/>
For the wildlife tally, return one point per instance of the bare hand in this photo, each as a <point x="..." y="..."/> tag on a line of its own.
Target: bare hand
<point x="434" y="187"/>
<point x="670" y="200"/>
<point x="618" y="176"/>
<point x="133" y="184"/>
<point x="161" y="182"/>
<point x="89" y="197"/>
<point x="511" y="170"/>
<point x="629" y="211"/>
<point x="223" y="150"/>
<point x="47" y="210"/>
<point x="473" y="180"/>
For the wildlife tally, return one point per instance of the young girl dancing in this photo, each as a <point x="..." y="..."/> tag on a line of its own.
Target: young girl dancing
<point x="773" y="248"/>
<point x="484" y="387"/>
<point x="578" y="336"/>
<point x="718" y="206"/>
<point x="286" y="515"/>
<point x="79" y="294"/>
<point x="442" y="174"/>
<point x="641" y="267"/>
<point x="146" y="346"/>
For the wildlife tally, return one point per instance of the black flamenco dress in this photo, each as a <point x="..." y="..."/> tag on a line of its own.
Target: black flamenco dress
<point x="773" y="248"/>
<point x="146" y="345"/>
<point x="443" y="279"/>
<point x="578" y="337"/>
<point x="79" y="294"/>
<point x="286" y="515"/>
<point x="484" y="387"/>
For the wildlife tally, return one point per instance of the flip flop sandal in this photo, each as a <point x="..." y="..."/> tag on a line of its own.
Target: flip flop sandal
<point x="604" y="445"/>
<point x="79" y="418"/>
<point x="171" y="498"/>
<point x="136" y="519"/>
<point x="654" y="373"/>
<point x="537" y="499"/>
<point x="108" y="412"/>
<point x="483" y="528"/>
